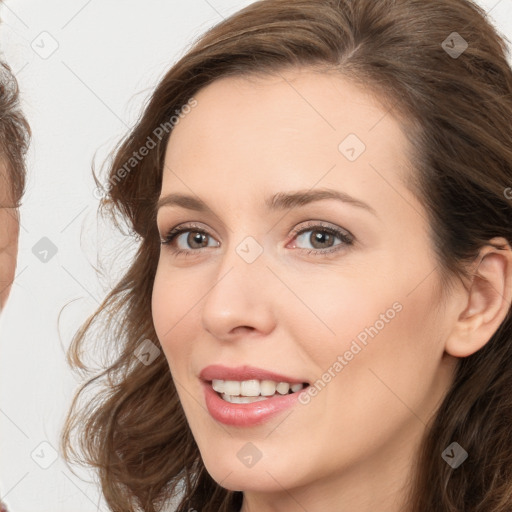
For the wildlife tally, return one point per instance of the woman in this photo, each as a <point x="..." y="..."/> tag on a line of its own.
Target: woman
<point x="14" y="141"/>
<point x="339" y="337"/>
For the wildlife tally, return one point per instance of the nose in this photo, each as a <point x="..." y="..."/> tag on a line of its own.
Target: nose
<point x="240" y="301"/>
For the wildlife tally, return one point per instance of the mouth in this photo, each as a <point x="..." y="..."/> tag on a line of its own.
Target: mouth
<point x="249" y="391"/>
<point x="246" y="396"/>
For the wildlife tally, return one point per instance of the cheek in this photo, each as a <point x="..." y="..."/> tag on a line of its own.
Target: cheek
<point x="341" y="310"/>
<point x="390" y="345"/>
<point x="164" y="308"/>
<point x="172" y="308"/>
<point x="374" y="329"/>
<point x="170" y="298"/>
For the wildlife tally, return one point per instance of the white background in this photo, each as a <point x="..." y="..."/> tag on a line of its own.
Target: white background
<point x="79" y="102"/>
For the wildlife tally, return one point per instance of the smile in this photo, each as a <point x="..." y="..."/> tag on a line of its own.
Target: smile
<point x="249" y="391"/>
<point x="247" y="396"/>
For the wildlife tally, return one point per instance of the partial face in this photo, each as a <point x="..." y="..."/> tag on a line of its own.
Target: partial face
<point x="340" y="294"/>
<point x="9" y="229"/>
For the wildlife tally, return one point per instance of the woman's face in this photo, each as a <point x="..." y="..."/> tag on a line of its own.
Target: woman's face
<point x="341" y="293"/>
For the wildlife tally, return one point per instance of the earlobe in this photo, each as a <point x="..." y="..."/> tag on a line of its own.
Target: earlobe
<point x="488" y="302"/>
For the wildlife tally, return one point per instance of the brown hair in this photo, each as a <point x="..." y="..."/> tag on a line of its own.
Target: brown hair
<point x="458" y="110"/>
<point x="14" y="137"/>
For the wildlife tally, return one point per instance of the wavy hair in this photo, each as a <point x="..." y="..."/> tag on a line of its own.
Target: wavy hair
<point x="126" y="420"/>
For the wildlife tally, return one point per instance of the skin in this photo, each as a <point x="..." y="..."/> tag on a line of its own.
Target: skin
<point x="353" y="445"/>
<point x="9" y="231"/>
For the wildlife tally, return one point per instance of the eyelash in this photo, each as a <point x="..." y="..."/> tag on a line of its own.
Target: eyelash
<point x="346" y="238"/>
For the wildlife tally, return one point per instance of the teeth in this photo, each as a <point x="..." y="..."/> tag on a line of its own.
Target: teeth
<point x="218" y="385"/>
<point x="268" y="387"/>
<point x="231" y="387"/>
<point x="282" y="388"/>
<point x="242" y="399"/>
<point x="254" y="389"/>
<point x="250" y="388"/>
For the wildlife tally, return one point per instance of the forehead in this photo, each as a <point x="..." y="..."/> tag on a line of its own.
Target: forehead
<point x="285" y="131"/>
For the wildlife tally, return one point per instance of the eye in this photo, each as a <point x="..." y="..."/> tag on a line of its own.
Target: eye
<point x="193" y="237"/>
<point x="187" y="240"/>
<point x="321" y="238"/>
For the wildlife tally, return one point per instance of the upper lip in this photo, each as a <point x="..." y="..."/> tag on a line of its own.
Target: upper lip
<point x="241" y="373"/>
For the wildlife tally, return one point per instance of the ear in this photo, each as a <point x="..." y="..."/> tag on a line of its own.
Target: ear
<point x="487" y="300"/>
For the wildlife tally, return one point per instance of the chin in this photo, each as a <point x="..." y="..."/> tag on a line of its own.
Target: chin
<point x="232" y="474"/>
<point x="239" y="480"/>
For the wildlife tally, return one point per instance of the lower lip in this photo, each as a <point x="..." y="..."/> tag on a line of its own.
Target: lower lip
<point x="246" y="415"/>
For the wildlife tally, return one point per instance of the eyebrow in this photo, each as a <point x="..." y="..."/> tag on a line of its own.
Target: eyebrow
<point x="279" y="201"/>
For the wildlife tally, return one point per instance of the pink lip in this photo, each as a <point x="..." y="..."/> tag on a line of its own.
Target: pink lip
<point x="245" y="415"/>
<point x="220" y="372"/>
